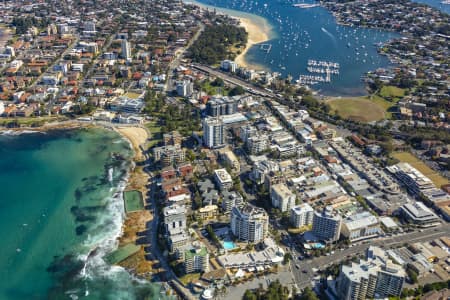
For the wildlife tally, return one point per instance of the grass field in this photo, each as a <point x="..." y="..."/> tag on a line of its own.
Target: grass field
<point x="155" y="131"/>
<point x="133" y="201"/>
<point x="122" y="253"/>
<point x="388" y="106"/>
<point x="213" y="90"/>
<point x="132" y="95"/>
<point x="357" y="108"/>
<point x="363" y="109"/>
<point x="407" y="157"/>
<point x="392" y="91"/>
<point x="186" y="279"/>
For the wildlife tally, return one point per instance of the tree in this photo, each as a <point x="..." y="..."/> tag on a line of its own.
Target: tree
<point x="190" y="155"/>
<point x="249" y="295"/>
<point x="214" y="42"/>
<point x="411" y="274"/>
<point x="287" y="257"/>
<point x="308" y="294"/>
<point x="238" y="90"/>
<point x="218" y="82"/>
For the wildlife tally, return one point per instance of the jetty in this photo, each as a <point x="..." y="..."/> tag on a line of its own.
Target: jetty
<point x="266" y="47"/>
<point x="313" y="79"/>
<point x="305" y="5"/>
<point x="321" y="63"/>
<point x="323" y="70"/>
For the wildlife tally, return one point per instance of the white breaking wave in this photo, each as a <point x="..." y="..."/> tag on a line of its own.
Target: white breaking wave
<point x="104" y="240"/>
<point x="110" y="174"/>
<point x="19" y="132"/>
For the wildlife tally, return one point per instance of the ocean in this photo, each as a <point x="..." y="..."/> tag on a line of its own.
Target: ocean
<point x="61" y="212"/>
<point x="301" y="34"/>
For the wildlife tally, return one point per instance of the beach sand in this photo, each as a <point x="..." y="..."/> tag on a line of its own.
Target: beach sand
<point x="137" y="137"/>
<point x="257" y="33"/>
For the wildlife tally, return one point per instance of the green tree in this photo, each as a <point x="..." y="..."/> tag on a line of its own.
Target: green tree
<point x="308" y="294"/>
<point x="411" y="274"/>
<point x="238" y="90"/>
<point x="249" y="295"/>
<point x="287" y="257"/>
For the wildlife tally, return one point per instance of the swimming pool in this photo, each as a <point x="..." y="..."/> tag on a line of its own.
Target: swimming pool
<point x="228" y="245"/>
<point x="318" y="246"/>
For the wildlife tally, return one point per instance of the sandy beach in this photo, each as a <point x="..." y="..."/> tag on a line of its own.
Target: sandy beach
<point x="137" y="137"/>
<point x="258" y="32"/>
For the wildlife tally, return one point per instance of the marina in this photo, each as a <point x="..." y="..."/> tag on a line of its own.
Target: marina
<point x="312" y="79"/>
<point x="320" y="63"/>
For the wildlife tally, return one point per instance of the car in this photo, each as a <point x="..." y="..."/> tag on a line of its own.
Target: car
<point x="304" y="272"/>
<point x="300" y="257"/>
<point x="297" y="266"/>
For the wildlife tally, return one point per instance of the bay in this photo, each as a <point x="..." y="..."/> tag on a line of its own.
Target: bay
<point x="312" y="33"/>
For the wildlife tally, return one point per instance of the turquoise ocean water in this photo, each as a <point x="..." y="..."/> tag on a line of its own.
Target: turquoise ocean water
<point x="60" y="212"/>
<point x="312" y="33"/>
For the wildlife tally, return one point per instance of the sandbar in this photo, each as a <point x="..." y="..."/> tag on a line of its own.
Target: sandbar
<point x="258" y="32"/>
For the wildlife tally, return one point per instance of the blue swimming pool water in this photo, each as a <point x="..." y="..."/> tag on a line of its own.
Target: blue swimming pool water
<point x="318" y="246"/>
<point x="228" y="245"/>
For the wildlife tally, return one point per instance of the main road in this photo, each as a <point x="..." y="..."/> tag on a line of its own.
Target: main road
<point x="250" y="88"/>
<point x="304" y="273"/>
<point x="179" y="55"/>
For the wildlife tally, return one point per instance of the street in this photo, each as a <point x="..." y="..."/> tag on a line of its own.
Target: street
<point x="304" y="279"/>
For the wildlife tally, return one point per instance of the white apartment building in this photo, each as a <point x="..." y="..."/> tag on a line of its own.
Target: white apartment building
<point x="302" y="215"/>
<point x="223" y="179"/>
<point x="249" y="223"/>
<point x="213" y="132"/>
<point x="376" y="277"/>
<point x="282" y="197"/>
<point x="361" y="226"/>
<point x="126" y="50"/>
<point x="327" y="224"/>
